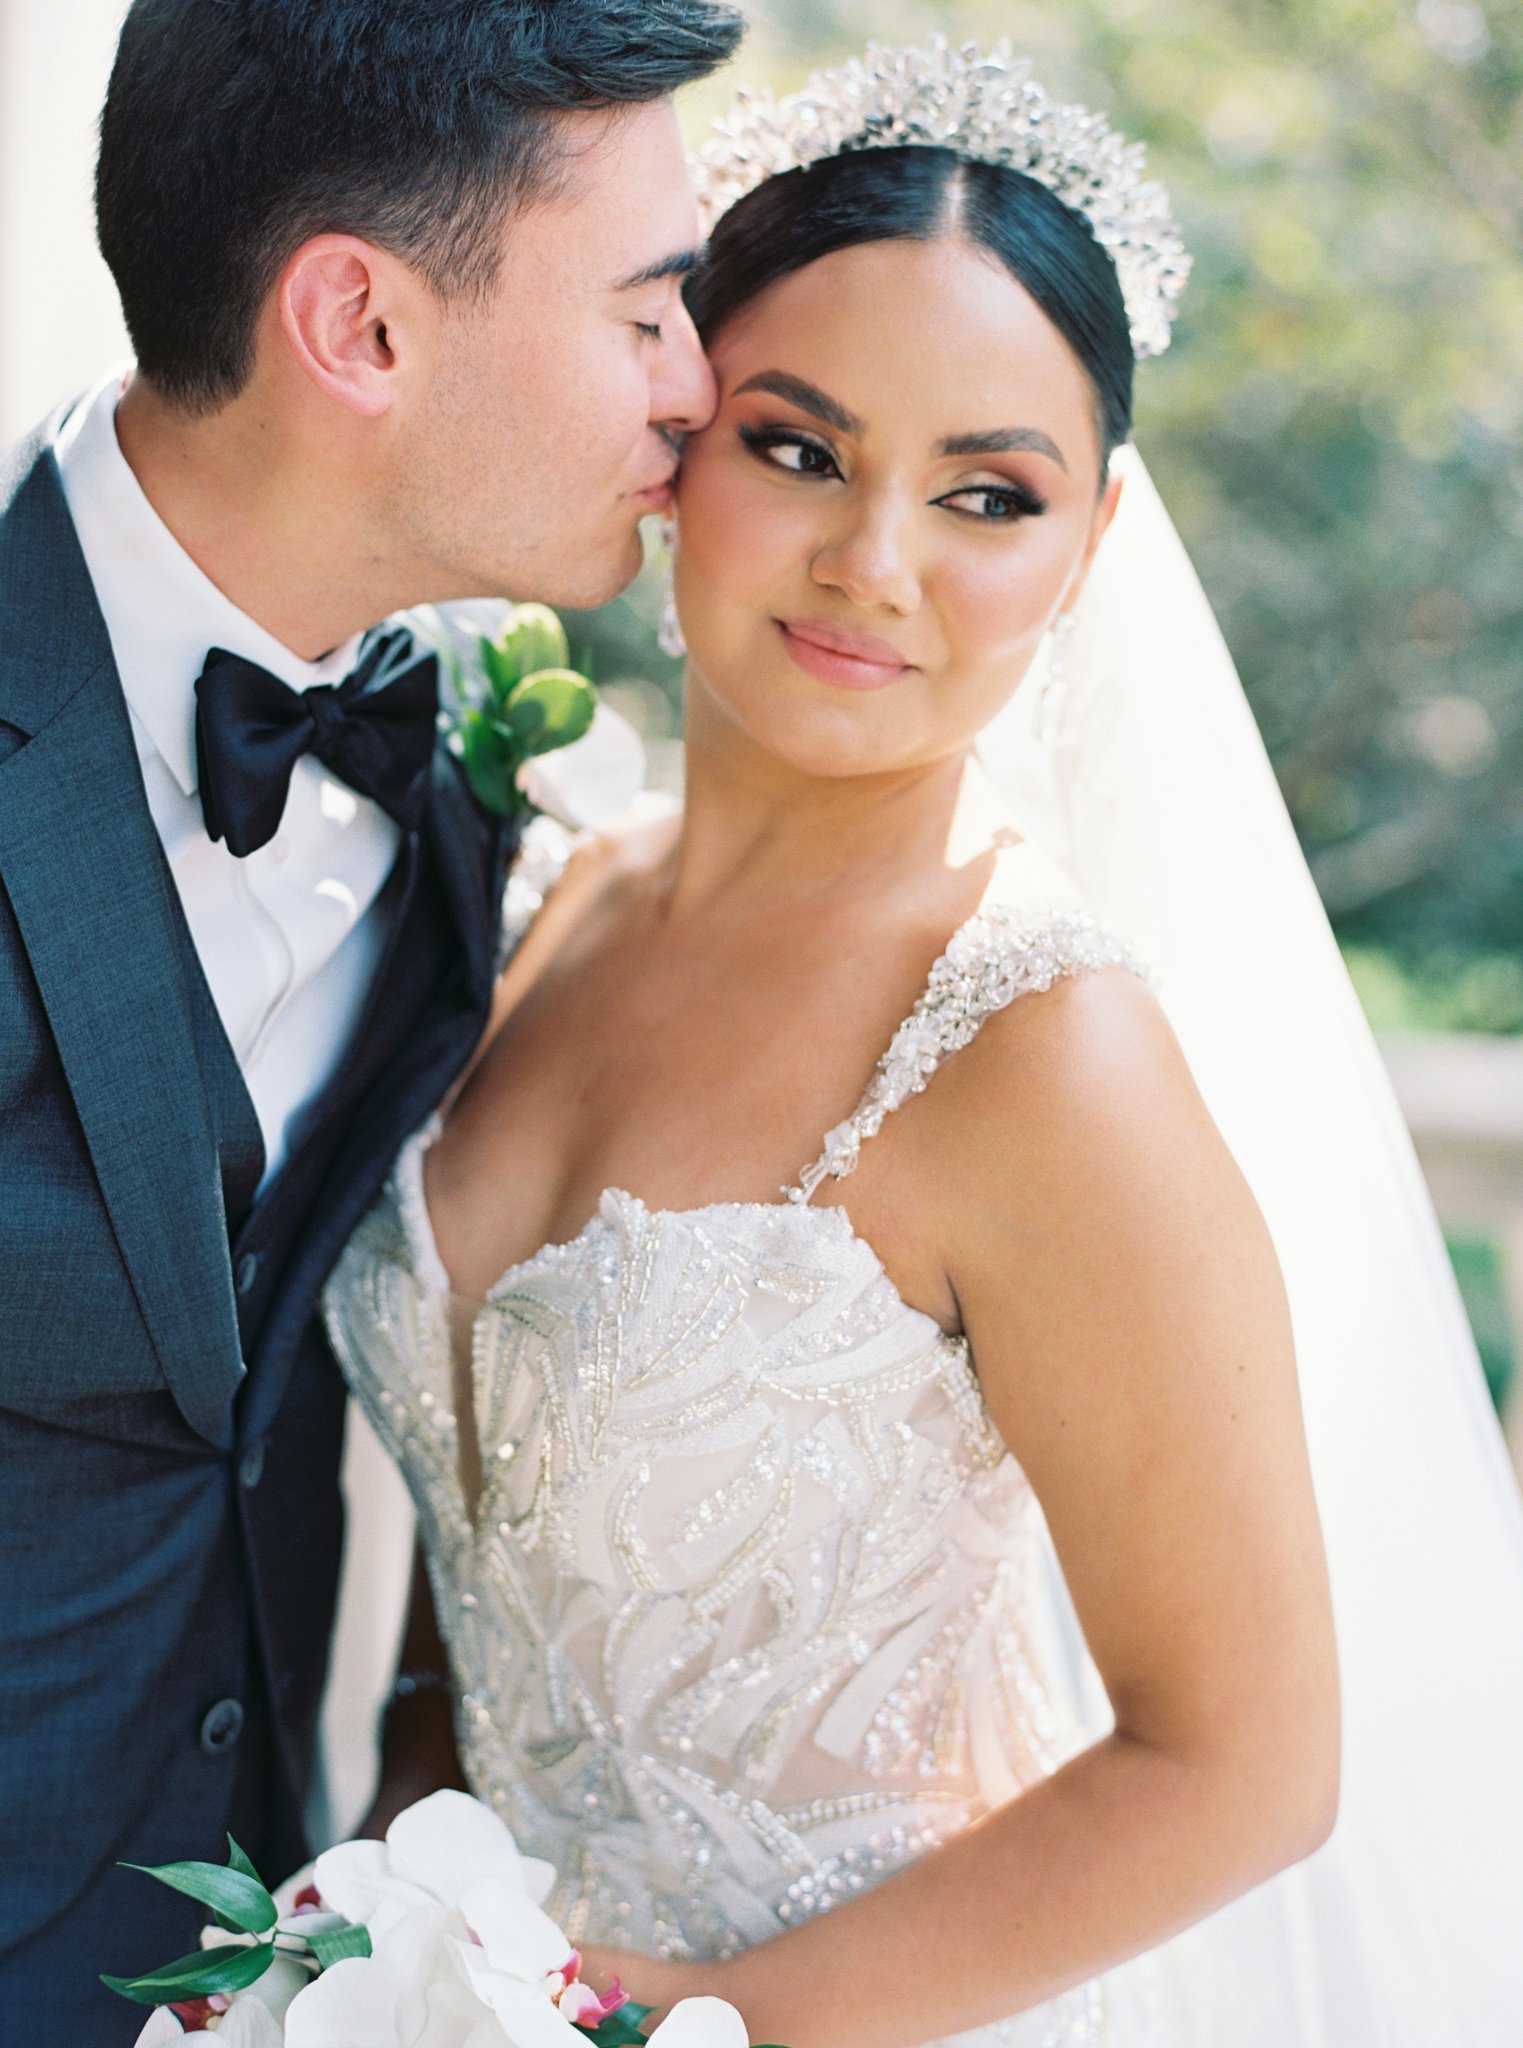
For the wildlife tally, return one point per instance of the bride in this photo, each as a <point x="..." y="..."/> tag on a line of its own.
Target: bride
<point x="846" y="1383"/>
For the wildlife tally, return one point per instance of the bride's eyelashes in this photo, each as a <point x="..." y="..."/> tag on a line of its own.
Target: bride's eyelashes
<point x="1004" y="503"/>
<point x="771" y="443"/>
<point x="991" y="504"/>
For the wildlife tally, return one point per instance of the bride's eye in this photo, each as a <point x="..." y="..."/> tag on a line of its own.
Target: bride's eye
<point x="784" y="448"/>
<point x="997" y="504"/>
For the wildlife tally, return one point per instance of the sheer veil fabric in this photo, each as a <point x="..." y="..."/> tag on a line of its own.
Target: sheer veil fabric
<point x="1157" y="794"/>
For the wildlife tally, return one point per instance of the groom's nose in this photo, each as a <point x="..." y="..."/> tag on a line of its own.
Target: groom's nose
<point x="682" y="396"/>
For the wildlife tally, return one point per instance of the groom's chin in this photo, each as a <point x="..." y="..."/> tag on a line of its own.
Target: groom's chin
<point x="595" y="580"/>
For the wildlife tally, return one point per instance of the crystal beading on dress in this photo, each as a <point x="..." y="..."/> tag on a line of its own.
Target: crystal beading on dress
<point x="753" y="1605"/>
<point x="999" y="955"/>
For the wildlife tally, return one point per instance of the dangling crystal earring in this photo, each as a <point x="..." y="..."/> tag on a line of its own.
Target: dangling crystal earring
<point x="1053" y="700"/>
<point x="669" y="632"/>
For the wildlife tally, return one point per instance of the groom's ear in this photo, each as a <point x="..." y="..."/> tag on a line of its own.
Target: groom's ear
<point x="340" y="301"/>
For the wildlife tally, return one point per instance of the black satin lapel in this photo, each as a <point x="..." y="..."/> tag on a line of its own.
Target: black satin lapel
<point x="81" y="863"/>
<point x="471" y="849"/>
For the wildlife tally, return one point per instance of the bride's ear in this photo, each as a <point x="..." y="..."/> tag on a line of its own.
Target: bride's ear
<point x="341" y="301"/>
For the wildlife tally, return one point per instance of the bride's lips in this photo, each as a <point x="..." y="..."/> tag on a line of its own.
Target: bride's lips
<point x="852" y="661"/>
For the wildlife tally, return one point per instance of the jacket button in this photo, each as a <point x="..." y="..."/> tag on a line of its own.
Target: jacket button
<point x="251" y="1467"/>
<point x="248" y="1272"/>
<point x="222" y="1727"/>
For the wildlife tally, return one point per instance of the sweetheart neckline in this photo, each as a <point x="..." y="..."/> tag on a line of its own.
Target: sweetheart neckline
<point x="419" y="1229"/>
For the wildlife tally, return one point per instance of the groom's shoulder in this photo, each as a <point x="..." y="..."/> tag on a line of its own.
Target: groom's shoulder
<point x="34" y="513"/>
<point x="50" y="632"/>
<point x="30" y="459"/>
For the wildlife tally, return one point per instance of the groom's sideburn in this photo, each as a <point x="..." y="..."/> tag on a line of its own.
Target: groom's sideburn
<point x="171" y="1418"/>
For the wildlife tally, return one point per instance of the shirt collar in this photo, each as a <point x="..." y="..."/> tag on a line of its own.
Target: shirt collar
<point x="163" y="613"/>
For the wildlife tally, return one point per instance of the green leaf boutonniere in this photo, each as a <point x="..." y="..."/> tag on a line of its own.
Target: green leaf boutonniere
<point x="510" y="700"/>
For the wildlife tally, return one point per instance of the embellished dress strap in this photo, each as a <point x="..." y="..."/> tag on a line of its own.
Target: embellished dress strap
<point x="1001" y="953"/>
<point x="544" y="853"/>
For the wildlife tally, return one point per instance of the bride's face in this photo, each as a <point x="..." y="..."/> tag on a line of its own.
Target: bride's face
<point x="899" y="491"/>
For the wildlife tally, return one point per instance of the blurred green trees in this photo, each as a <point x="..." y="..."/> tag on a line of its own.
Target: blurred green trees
<point x="1338" y="428"/>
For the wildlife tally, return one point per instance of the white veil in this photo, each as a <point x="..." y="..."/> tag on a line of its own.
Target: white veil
<point x="1406" y="1929"/>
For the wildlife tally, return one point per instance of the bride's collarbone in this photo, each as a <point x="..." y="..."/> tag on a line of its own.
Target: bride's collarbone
<point x="683" y="1103"/>
<point x="698" y="1069"/>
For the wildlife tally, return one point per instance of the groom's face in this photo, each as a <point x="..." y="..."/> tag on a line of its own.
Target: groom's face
<point x="545" y="426"/>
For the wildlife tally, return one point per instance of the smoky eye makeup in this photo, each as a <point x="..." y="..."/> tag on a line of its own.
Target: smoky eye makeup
<point x="1004" y="502"/>
<point x="768" y="443"/>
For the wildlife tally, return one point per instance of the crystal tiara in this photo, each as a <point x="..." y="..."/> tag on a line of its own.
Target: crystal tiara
<point x="987" y="107"/>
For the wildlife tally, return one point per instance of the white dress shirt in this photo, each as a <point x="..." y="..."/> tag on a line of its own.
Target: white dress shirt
<point x="289" y="937"/>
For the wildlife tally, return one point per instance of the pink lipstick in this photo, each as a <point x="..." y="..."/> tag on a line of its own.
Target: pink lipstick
<point x="852" y="661"/>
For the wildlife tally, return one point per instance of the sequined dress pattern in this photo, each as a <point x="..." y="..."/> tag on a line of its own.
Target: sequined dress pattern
<point x="754" y="1605"/>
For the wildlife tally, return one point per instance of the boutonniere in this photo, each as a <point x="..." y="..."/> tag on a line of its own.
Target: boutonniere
<point x="527" y="727"/>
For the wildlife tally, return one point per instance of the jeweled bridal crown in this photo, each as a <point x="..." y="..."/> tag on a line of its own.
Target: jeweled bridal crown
<point x="985" y="106"/>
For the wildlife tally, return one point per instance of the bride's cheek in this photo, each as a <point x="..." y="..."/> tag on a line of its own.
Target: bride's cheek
<point x="742" y="546"/>
<point x="1004" y="604"/>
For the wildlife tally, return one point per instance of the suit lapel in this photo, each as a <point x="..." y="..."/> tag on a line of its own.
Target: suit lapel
<point x="82" y="866"/>
<point x="471" y="851"/>
<point x="426" y="1008"/>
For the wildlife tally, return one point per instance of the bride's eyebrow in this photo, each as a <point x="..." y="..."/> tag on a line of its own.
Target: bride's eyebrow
<point x="808" y="398"/>
<point x="1004" y="441"/>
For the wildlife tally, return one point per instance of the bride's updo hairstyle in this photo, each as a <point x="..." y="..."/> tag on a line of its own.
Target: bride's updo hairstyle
<point x="920" y="193"/>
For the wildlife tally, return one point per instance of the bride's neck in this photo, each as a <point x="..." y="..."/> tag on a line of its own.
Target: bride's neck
<point x="756" y="824"/>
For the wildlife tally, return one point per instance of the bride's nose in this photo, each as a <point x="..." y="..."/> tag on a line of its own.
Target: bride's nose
<point x="871" y="559"/>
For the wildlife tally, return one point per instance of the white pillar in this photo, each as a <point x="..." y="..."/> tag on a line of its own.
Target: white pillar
<point x="60" y="325"/>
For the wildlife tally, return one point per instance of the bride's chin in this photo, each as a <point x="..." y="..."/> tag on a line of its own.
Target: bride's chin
<point x="817" y="731"/>
<point x="828" y="749"/>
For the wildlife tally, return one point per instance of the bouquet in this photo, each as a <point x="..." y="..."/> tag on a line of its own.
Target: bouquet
<point x="435" y="1938"/>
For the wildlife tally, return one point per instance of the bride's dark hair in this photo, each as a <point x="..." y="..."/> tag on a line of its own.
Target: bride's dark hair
<point x="917" y="194"/>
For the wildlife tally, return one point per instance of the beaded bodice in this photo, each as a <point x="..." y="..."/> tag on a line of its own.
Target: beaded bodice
<point x="753" y="1603"/>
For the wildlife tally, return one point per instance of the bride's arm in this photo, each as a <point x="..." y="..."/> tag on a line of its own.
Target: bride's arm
<point x="1132" y="1339"/>
<point x="418" y="1754"/>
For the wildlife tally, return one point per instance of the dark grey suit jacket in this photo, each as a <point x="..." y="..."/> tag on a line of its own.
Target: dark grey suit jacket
<point x="170" y="1416"/>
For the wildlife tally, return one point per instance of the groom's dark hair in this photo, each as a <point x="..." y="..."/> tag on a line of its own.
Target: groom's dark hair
<point x="234" y="130"/>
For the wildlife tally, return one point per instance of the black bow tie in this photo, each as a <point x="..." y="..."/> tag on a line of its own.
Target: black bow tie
<point x="375" y="730"/>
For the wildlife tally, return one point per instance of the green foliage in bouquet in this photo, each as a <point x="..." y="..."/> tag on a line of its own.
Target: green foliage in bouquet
<point x="241" y="1904"/>
<point x="625" y="2028"/>
<point x="534" y="704"/>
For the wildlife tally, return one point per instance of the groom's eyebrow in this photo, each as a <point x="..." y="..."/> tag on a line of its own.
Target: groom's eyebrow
<point x="1004" y="441"/>
<point x="807" y="397"/>
<point x="680" y="263"/>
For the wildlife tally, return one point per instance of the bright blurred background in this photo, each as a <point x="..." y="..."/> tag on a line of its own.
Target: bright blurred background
<point x="1338" y="431"/>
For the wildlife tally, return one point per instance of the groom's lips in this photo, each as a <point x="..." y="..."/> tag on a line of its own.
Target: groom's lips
<point x="657" y="497"/>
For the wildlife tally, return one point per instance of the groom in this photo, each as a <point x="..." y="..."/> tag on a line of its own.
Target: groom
<point x="403" y="280"/>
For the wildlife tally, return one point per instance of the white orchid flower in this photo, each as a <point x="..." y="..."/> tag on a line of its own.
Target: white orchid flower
<point x="462" y="1953"/>
<point x="433" y="1853"/>
<point x="443" y="1860"/>
<point x="701" y="2023"/>
<point x="593" y="779"/>
<point x="162" y="2031"/>
<point x="518" y="1963"/>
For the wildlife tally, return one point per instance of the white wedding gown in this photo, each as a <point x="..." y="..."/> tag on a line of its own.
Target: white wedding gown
<point x="754" y="1606"/>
